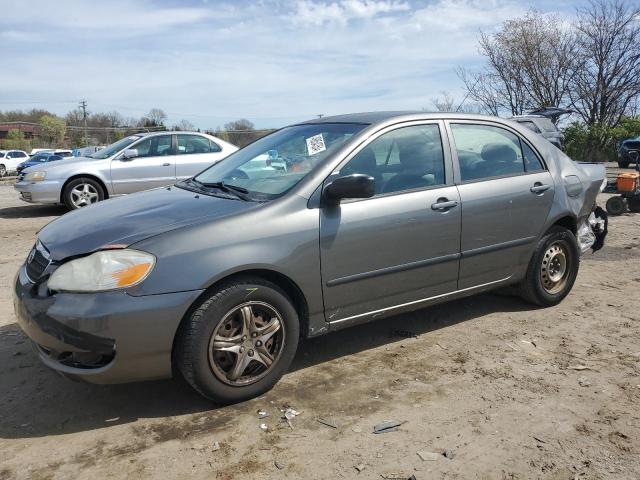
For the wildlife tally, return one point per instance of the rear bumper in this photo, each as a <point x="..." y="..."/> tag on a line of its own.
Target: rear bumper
<point x="47" y="191"/>
<point x="108" y="337"/>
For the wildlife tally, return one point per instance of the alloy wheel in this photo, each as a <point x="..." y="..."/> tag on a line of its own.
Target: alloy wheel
<point x="247" y="343"/>
<point x="84" y="194"/>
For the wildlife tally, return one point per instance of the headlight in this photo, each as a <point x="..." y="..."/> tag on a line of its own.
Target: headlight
<point x="35" y="176"/>
<point x="105" y="270"/>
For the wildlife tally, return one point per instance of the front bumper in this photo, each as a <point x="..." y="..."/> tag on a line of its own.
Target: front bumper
<point x="47" y="191"/>
<point x="108" y="337"/>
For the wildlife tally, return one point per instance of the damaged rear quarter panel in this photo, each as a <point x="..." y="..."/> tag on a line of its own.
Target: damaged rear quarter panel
<point x="576" y="184"/>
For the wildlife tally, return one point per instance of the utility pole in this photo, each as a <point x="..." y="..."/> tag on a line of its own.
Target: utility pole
<point x="83" y="106"/>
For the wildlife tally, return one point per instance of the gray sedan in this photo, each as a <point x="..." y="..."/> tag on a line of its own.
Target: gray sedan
<point x="135" y="163"/>
<point x="319" y="226"/>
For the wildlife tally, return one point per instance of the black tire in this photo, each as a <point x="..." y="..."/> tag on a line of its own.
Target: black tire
<point x="93" y="185"/>
<point x="616" y="205"/>
<point x="192" y="343"/>
<point x="634" y="204"/>
<point x="3" y="170"/>
<point x="532" y="288"/>
<point x="623" y="164"/>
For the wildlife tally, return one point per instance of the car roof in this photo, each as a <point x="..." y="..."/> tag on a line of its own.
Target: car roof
<point x="372" y="118"/>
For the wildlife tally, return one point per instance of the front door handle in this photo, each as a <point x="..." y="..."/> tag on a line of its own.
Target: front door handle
<point x="166" y="164"/>
<point x="443" y="204"/>
<point x="539" y="188"/>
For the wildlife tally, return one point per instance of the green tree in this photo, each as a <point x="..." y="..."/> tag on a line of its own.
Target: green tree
<point x="52" y="130"/>
<point x="15" y="141"/>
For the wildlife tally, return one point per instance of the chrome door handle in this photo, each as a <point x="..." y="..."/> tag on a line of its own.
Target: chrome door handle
<point x="166" y="164"/>
<point x="539" y="188"/>
<point x="443" y="204"/>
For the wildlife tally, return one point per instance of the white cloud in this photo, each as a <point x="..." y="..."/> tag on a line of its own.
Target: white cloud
<point x="270" y="62"/>
<point x="343" y="11"/>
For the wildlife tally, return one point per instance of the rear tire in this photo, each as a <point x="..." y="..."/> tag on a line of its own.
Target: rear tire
<point x="223" y="360"/>
<point x="616" y="205"/>
<point x="82" y="192"/>
<point x="553" y="268"/>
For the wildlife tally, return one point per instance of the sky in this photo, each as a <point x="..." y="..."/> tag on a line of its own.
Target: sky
<point x="272" y="62"/>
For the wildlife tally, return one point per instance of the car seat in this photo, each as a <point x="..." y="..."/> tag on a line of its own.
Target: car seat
<point x="499" y="159"/>
<point x="418" y="161"/>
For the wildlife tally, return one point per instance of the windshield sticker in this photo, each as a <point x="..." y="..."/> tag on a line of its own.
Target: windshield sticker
<point x="315" y="144"/>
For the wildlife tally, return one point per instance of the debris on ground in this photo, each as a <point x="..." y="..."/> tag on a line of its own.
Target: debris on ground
<point x="584" y="382"/>
<point x="398" y="476"/>
<point x="360" y="467"/>
<point x="388" y="426"/>
<point x="448" y="454"/>
<point x="357" y="429"/>
<point x="263" y="427"/>
<point x="262" y="414"/>
<point x="579" y="367"/>
<point x="215" y="447"/>
<point x="328" y="423"/>
<point x="290" y="414"/>
<point x="428" y="456"/>
<point x="278" y="465"/>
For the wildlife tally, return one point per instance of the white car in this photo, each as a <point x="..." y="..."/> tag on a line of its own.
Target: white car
<point x="10" y="159"/>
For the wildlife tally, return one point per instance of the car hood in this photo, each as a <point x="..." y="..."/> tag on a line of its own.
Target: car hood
<point x="130" y="219"/>
<point x="60" y="163"/>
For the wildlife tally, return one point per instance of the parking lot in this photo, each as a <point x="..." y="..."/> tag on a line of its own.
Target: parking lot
<point x="492" y="386"/>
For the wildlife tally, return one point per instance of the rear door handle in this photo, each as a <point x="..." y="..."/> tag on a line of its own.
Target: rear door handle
<point x="166" y="164"/>
<point x="443" y="204"/>
<point x="539" y="188"/>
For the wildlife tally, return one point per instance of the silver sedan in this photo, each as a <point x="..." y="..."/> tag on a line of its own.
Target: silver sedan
<point x="135" y="163"/>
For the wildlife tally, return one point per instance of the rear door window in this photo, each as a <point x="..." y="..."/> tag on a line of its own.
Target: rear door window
<point x="485" y="151"/>
<point x="190" y="144"/>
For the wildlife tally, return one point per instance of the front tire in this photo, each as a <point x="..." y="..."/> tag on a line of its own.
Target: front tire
<point x="3" y="170"/>
<point x="82" y="192"/>
<point x="553" y="268"/>
<point x="239" y="341"/>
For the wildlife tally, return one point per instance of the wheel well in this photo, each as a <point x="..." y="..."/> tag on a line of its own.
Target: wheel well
<point x="285" y="283"/>
<point x="567" y="222"/>
<point x="81" y="175"/>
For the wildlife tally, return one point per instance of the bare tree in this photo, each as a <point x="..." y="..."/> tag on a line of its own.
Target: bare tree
<point x="529" y="65"/>
<point x="155" y="118"/>
<point x="444" y="103"/>
<point x="607" y="78"/>
<point x="185" y="126"/>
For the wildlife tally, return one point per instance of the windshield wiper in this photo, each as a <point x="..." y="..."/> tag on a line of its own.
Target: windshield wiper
<point x="239" y="192"/>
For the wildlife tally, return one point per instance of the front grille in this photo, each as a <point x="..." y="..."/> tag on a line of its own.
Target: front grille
<point x="37" y="261"/>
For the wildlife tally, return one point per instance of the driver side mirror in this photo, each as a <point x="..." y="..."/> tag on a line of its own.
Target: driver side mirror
<point x="129" y="154"/>
<point x="356" y="185"/>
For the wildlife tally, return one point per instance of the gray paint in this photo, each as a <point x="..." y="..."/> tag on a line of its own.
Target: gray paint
<point x="361" y="260"/>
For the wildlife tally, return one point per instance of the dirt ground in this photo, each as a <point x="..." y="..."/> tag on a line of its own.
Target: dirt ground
<point x="508" y="391"/>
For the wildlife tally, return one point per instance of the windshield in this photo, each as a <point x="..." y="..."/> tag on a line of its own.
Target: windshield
<point x="39" y="157"/>
<point x="271" y="166"/>
<point x="114" y="147"/>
